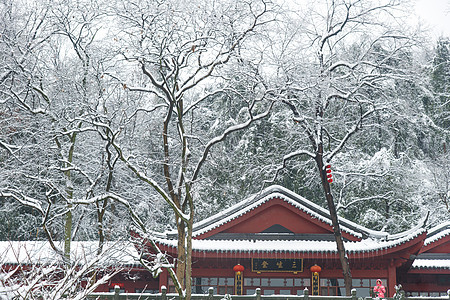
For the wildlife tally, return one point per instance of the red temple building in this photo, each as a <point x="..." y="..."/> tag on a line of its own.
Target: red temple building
<point x="277" y="236"/>
<point x="283" y="243"/>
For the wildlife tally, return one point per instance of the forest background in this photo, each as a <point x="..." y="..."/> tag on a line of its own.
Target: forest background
<point x="150" y="115"/>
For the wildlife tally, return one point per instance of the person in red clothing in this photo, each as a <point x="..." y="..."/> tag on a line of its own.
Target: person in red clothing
<point x="379" y="290"/>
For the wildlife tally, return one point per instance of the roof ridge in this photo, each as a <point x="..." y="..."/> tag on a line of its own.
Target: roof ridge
<point x="438" y="228"/>
<point x="248" y="204"/>
<point x="436" y="235"/>
<point x="235" y="211"/>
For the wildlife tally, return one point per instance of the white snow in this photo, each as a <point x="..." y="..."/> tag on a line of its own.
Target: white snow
<point x="431" y="263"/>
<point x="32" y="252"/>
<point x="376" y="240"/>
<point x="40" y="252"/>
<point x="247" y="206"/>
<point x="438" y="232"/>
<point x="288" y="246"/>
<point x="436" y="237"/>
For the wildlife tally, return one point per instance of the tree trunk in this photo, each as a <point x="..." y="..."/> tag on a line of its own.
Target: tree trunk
<point x="334" y="219"/>
<point x="69" y="194"/>
<point x="181" y="253"/>
<point x="189" y="259"/>
<point x="68" y="233"/>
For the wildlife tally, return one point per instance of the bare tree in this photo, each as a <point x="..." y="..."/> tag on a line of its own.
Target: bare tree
<point x="31" y="271"/>
<point x="178" y="56"/>
<point x="48" y="88"/>
<point x="125" y="103"/>
<point x="344" y="76"/>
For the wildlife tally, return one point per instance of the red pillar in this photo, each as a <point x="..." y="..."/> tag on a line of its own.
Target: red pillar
<point x="392" y="279"/>
<point x="163" y="279"/>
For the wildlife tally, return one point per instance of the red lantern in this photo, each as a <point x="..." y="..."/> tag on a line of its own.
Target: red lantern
<point x="238" y="268"/>
<point x="328" y="172"/>
<point x="315" y="280"/>
<point x="315" y="269"/>
<point x="238" y="281"/>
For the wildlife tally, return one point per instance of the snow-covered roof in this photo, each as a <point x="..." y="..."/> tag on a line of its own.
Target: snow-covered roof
<point x="431" y="264"/>
<point x="370" y="240"/>
<point x="438" y="232"/>
<point x="312" y="209"/>
<point x="40" y="252"/>
<point x="290" y="246"/>
<point x="434" y="260"/>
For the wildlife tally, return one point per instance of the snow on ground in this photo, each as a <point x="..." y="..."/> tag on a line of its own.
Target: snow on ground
<point x="40" y="252"/>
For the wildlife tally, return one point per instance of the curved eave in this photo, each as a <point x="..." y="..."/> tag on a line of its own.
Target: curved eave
<point x="436" y="239"/>
<point x="276" y="200"/>
<point x="439" y="229"/>
<point x="228" y="216"/>
<point x="275" y="191"/>
<point x="209" y="226"/>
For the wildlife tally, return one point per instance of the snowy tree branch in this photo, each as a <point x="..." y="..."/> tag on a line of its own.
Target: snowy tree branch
<point x="221" y="137"/>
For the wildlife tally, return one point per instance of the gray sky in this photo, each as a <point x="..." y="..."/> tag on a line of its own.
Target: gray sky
<point x="436" y="15"/>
